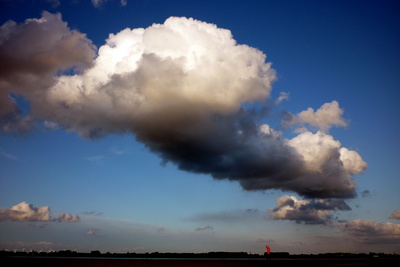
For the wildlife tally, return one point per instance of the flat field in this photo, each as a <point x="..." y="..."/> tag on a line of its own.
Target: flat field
<point x="109" y="262"/>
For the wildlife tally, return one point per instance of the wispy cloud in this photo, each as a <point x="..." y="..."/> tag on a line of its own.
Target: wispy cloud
<point x="265" y="241"/>
<point x="95" y="232"/>
<point x="227" y="216"/>
<point x="4" y="154"/>
<point x="95" y="158"/>
<point x="94" y="213"/>
<point x="54" y="3"/>
<point x="204" y="228"/>
<point x="117" y="151"/>
<point x="282" y="96"/>
<point x="98" y="3"/>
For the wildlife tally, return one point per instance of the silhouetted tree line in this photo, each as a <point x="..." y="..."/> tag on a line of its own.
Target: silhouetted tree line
<point x="209" y="255"/>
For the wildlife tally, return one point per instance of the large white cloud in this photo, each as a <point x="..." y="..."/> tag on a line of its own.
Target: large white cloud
<point x="144" y="78"/>
<point x="182" y="88"/>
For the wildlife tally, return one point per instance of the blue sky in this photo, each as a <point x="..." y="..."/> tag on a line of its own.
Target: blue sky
<point x="133" y="185"/>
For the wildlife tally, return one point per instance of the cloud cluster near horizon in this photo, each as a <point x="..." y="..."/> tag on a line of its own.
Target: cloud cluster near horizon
<point x="395" y="214"/>
<point x="27" y="212"/>
<point x="371" y="232"/>
<point x="183" y="88"/>
<point x="304" y="211"/>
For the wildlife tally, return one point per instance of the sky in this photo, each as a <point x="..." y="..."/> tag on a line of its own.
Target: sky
<point x="197" y="126"/>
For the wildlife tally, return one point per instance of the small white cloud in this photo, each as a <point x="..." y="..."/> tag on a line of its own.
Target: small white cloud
<point x="50" y="125"/>
<point x="90" y="232"/>
<point x="283" y="96"/>
<point x="328" y="115"/>
<point x="94" y="232"/>
<point x="116" y="151"/>
<point x="68" y="217"/>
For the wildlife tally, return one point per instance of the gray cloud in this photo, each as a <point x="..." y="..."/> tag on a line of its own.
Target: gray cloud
<point x="31" y="54"/>
<point x="372" y="232"/>
<point x="204" y="228"/>
<point x="366" y="193"/>
<point x="307" y="212"/>
<point x="181" y="88"/>
<point x="395" y="214"/>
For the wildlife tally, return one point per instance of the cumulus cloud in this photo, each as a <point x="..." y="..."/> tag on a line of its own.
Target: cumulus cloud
<point x="183" y="89"/>
<point x="7" y="155"/>
<point x="27" y="212"/>
<point x="372" y="232"/>
<point x="395" y="215"/>
<point x="304" y="211"/>
<point x="68" y="217"/>
<point x="31" y="54"/>
<point x="327" y="116"/>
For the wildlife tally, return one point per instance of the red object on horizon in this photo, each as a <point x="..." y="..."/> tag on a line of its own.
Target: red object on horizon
<point x="268" y="249"/>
